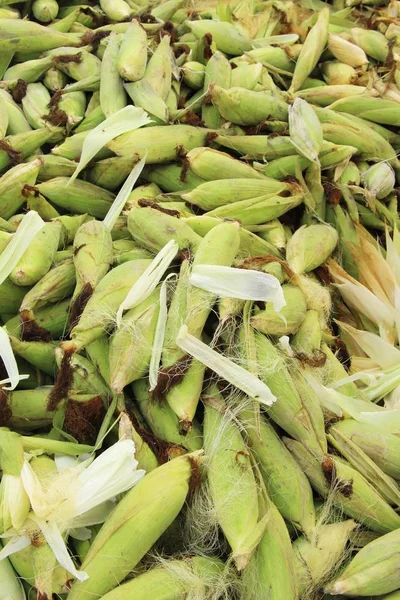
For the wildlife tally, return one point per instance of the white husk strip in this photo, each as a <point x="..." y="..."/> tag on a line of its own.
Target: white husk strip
<point x="119" y="202"/>
<point x="148" y="281"/>
<point x="229" y="282"/>
<point x="381" y="352"/>
<point x="286" y="39"/>
<point x="10" y="364"/>
<point x="159" y="335"/>
<point x="124" y="120"/>
<point x="29" y="226"/>
<point x="225" y="368"/>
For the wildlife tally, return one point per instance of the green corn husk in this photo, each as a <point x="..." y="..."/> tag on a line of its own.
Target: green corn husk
<point x="38" y="354"/>
<point x="258" y="146"/>
<point x="38" y="258"/>
<point x="311" y="50"/>
<point x="51" y="322"/>
<point x="132" y="57"/>
<point x="183" y="398"/>
<point x="71" y="224"/>
<point x="30" y="71"/>
<point x="80" y="66"/>
<point x="317" y="557"/>
<point x="98" y="354"/>
<point x="377" y="110"/>
<point x="211" y="164"/>
<point x="11" y="296"/>
<point x="35" y="104"/>
<point x="93" y="256"/>
<point x="54" y="166"/>
<point x="135" y="519"/>
<point x="171" y="177"/>
<point x="84" y="378"/>
<point x="23" y="144"/>
<point x="286" y="321"/>
<point x="101" y="308"/>
<point x="310" y="246"/>
<point x="285" y="412"/>
<point x="227" y="38"/>
<point x="233" y="487"/>
<point x="346" y="488"/>
<point x="173" y="580"/>
<point x="79" y="197"/>
<point x="218" y="72"/>
<point x="11" y="584"/>
<point x="246" y="107"/>
<point x="91" y="120"/>
<point x="152" y="229"/>
<point x="374" y="570"/>
<point x="219" y="193"/>
<point x="112" y="93"/>
<point x="163" y="422"/>
<point x="37" y="202"/>
<point x="387" y="488"/>
<point x="131" y="344"/>
<point x="26" y="36"/>
<point x="373" y="43"/>
<point x="382" y="448"/>
<point x="259" y="210"/>
<point x="26" y="409"/>
<point x="287" y="486"/>
<point x="110" y="173"/>
<point x="160" y="142"/>
<point x="58" y="283"/>
<point x="11" y="186"/>
<point x="271" y="570"/>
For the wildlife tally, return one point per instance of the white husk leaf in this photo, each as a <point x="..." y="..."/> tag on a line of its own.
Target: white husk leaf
<point x="286" y="39"/>
<point x="244" y="284"/>
<point x="10" y="364"/>
<point x="122" y="196"/>
<point x="225" y="368"/>
<point x="124" y="120"/>
<point x="29" y="226"/>
<point x="148" y="281"/>
<point x="158" y="343"/>
<point x="381" y="352"/>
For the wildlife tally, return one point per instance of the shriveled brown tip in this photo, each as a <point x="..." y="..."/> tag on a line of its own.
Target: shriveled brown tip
<point x="69" y="346"/>
<point x="63" y="382"/>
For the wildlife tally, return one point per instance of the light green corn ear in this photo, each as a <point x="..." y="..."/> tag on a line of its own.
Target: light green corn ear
<point x="305" y="130"/>
<point x="290" y="405"/>
<point x="153" y="229"/>
<point x="211" y="164"/>
<point x="315" y="558"/>
<point x="379" y="180"/>
<point x="258" y="146"/>
<point x="345" y="51"/>
<point x="51" y="320"/>
<point x="93" y="256"/>
<point x="184" y="397"/>
<point x="116" y="10"/>
<point x="132" y="57"/>
<point x="246" y="107"/>
<point x="52" y="166"/>
<point x="110" y="173"/>
<point x="286" y="484"/>
<point x="307" y="340"/>
<point x="26" y="409"/>
<point x="311" y="50"/>
<point x="374" y="43"/>
<point x="174" y="579"/>
<point x="21" y="35"/>
<point x="30" y="71"/>
<point x="112" y="92"/>
<point x="38" y="258"/>
<point x="288" y="319"/>
<point x="310" y="246"/>
<point x="37" y="202"/>
<point x="22" y="145"/>
<point x="271" y="572"/>
<point x="91" y="120"/>
<point x="335" y="72"/>
<point x="382" y="448"/>
<point x="218" y="71"/>
<point x="171" y="177"/>
<point x="11" y="296"/>
<point x="226" y="36"/>
<point x="376" y="110"/>
<point x="11" y="585"/>
<point x="160" y="142"/>
<point x="131" y="344"/>
<point x="163" y="422"/>
<point x="159" y="68"/>
<point x="98" y="354"/>
<point x="79" y="197"/>
<point x="388" y="489"/>
<point x="71" y="224"/>
<point x="141" y="516"/>
<point x="101" y="308"/>
<point x="55" y="285"/>
<point x="144" y="95"/>
<point x="246" y="76"/>
<point x="374" y="569"/>
<point x="45" y="10"/>
<point x="12" y="183"/>
<point x="232" y="484"/>
<point x="38" y="354"/>
<point x="78" y="66"/>
<point x="346" y="488"/>
<point x="35" y="104"/>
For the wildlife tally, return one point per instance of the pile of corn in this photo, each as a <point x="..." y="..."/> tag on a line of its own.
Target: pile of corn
<point x="199" y="300"/>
